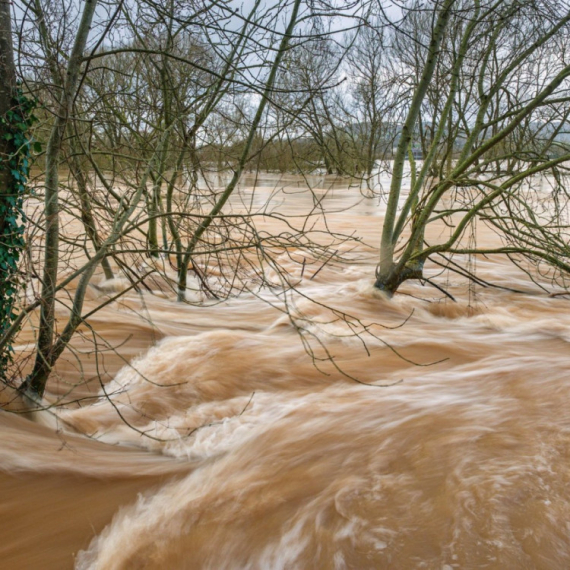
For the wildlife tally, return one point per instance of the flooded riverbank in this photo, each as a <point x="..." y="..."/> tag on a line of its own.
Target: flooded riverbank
<point x="438" y="438"/>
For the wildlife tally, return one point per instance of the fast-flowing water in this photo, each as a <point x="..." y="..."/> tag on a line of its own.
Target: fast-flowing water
<point x="442" y="443"/>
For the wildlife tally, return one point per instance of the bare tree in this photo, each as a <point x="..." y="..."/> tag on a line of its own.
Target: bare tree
<point x="128" y="116"/>
<point x="506" y="84"/>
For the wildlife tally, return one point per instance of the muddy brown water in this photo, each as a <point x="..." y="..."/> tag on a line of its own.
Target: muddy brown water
<point x="222" y="446"/>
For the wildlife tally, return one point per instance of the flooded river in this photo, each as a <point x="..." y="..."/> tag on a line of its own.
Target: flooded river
<point x="439" y="438"/>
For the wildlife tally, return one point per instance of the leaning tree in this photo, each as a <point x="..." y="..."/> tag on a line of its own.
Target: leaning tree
<point x="497" y="133"/>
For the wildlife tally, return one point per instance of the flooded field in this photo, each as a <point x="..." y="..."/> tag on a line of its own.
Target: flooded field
<point x="436" y="438"/>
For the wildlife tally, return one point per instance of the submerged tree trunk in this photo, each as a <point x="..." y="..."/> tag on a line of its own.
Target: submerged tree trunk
<point x="390" y="275"/>
<point x="44" y="358"/>
<point x="207" y="221"/>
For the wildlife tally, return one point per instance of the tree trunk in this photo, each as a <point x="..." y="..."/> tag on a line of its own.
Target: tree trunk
<point x="385" y="271"/>
<point x="7" y="92"/>
<point x="78" y="171"/>
<point x="8" y="189"/>
<point x="37" y="380"/>
<point x="205" y="224"/>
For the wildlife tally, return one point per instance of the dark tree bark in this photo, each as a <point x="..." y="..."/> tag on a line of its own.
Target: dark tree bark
<point x="8" y="189"/>
<point x="7" y="92"/>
